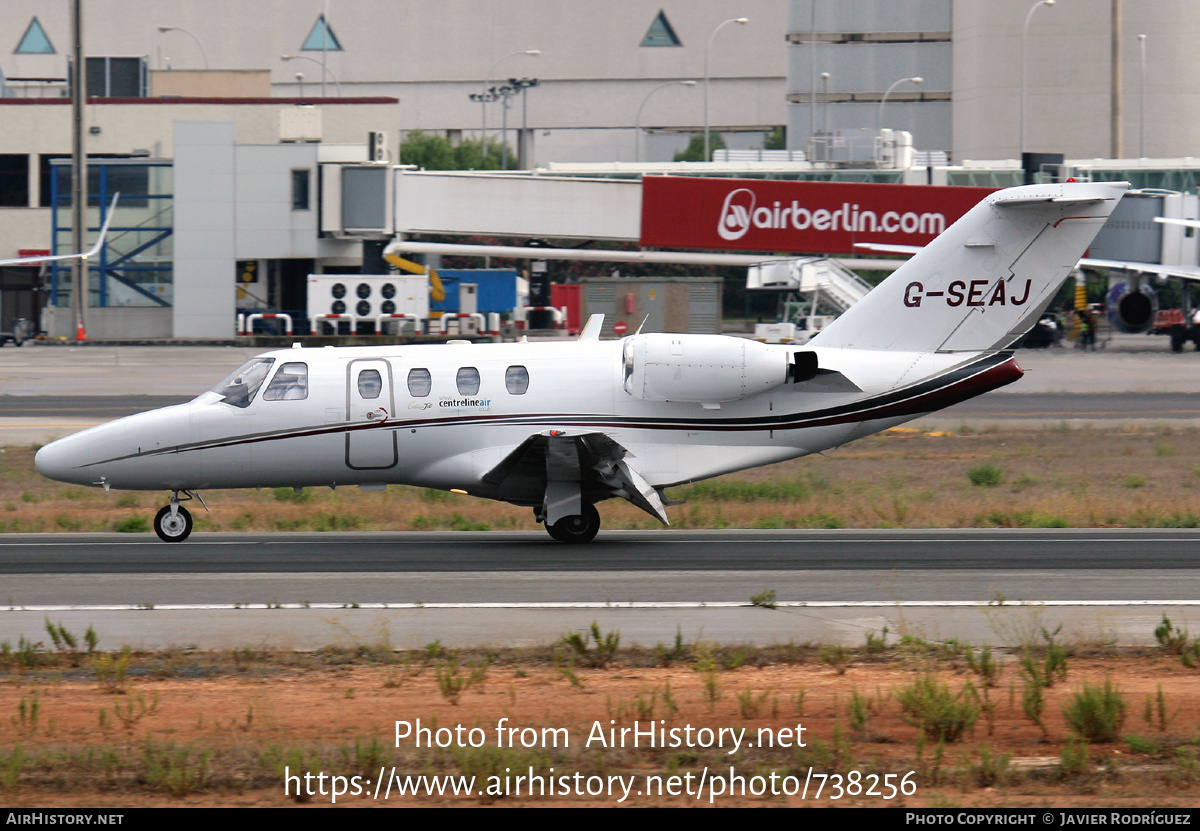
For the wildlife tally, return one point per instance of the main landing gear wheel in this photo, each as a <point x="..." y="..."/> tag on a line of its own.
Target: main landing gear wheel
<point x="579" y="528"/>
<point x="173" y="527"/>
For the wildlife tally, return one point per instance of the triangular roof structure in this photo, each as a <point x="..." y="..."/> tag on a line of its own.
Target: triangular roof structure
<point x="34" y="41"/>
<point x="661" y="33"/>
<point x="321" y="38"/>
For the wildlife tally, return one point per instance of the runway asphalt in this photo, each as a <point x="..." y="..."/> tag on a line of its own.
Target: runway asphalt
<point x="306" y="591"/>
<point x="301" y="590"/>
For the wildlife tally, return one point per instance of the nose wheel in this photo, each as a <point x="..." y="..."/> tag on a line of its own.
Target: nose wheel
<point x="173" y="523"/>
<point x="579" y="528"/>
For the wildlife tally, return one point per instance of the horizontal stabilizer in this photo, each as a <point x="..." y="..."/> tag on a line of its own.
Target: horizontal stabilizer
<point x="1018" y="201"/>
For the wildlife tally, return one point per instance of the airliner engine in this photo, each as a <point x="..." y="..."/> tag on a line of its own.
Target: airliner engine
<point x="1132" y="306"/>
<point x="702" y="368"/>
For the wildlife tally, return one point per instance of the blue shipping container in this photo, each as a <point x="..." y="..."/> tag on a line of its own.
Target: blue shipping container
<point x="497" y="289"/>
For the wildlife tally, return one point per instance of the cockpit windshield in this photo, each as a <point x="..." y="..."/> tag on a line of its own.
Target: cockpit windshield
<point x="239" y="388"/>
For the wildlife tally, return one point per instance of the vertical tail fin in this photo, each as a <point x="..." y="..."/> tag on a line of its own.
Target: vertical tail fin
<point x="982" y="283"/>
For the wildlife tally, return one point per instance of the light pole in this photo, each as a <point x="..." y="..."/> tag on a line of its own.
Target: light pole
<point x="916" y="79"/>
<point x="203" y="53"/>
<point x="300" y="82"/>
<point x="505" y="92"/>
<point x="638" y="120"/>
<point x="1024" y="35"/>
<point x="336" y="82"/>
<point x="741" y="21"/>
<point x="486" y="97"/>
<point x="487" y="79"/>
<point x="825" y="103"/>
<point x="1142" y="101"/>
<point x="522" y="84"/>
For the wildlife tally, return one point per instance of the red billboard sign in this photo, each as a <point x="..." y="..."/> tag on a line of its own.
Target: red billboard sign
<point x="795" y="217"/>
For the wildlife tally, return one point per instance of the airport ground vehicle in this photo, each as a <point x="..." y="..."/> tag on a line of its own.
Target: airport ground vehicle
<point x="17" y="334"/>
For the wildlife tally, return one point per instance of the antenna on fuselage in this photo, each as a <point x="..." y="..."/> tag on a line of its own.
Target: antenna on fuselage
<point x="640" y="325"/>
<point x="591" y="329"/>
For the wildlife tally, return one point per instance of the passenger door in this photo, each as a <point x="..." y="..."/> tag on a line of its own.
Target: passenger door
<point x="371" y="414"/>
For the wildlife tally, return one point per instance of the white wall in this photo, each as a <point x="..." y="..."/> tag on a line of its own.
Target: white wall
<point x="534" y="206"/>
<point x="23" y="228"/>
<point x="266" y="225"/>
<point x="1068" y="78"/>
<point x="204" y="230"/>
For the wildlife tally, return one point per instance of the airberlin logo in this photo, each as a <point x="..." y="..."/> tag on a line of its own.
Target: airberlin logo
<point x="739" y="214"/>
<point x="736" y="214"/>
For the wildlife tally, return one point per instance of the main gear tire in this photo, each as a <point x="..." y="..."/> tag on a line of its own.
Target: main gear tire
<point x="579" y="528"/>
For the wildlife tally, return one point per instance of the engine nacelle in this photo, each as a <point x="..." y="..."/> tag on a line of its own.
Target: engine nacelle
<point x="1131" y="308"/>
<point x="704" y="369"/>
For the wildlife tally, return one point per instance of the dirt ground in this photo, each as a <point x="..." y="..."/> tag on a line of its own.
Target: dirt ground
<point x="219" y="730"/>
<point x="222" y="729"/>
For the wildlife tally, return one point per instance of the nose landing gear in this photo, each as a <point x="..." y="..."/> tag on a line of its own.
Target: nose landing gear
<point x="173" y="523"/>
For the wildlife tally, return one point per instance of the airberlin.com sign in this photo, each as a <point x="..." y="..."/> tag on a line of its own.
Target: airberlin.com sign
<point x="800" y="217"/>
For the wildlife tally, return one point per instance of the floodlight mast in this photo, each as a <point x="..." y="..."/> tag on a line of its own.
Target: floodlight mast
<point x="79" y="272"/>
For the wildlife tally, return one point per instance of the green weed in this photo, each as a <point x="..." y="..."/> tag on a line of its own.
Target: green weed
<point x="1096" y="713"/>
<point x="765" y="600"/>
<point x="941" y="715"/>
<point x="985" y="475"/>
<point x="132" y="525"/>
<point x="836" y="657"/>
<point x="177" y="770"/>
<point x="990" y="769"/>
<point x="605" y="646"/>
<point x="1074" y="759"/>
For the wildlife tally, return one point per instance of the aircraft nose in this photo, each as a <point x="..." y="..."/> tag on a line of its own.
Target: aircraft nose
<point x="54" y="461"/>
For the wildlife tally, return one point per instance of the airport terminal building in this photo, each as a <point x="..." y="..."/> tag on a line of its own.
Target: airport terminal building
<point x="223" y="125"/>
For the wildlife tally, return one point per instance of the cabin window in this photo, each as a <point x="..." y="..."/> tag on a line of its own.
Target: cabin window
<point x="419" y="383"/>
<point x="516" y="380"/>
<point x="468" y="381"/>
<point x="239" y="388"/>
<point x="289" y="384"/>
<point x="370" y="383"/>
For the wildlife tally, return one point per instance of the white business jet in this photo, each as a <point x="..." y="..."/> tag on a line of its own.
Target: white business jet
<point x="559" y="427"/>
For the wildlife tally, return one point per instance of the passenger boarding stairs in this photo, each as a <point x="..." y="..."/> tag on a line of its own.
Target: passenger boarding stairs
<point x="838" y="287"/>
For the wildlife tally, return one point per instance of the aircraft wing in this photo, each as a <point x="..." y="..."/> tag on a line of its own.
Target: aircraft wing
<point x="886" y="248"/>
<point x="91" y="252"/>
<point x="1185" y="272"/>
<point x="1186" y="223"/>
<point x="557" y="471"/>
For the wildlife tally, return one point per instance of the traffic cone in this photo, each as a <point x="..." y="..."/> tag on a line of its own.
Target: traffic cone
<point x="80" y="335"/>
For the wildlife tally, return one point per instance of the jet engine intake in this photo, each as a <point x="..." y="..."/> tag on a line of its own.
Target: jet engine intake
<point x="701" y="368"/>
<point x="1132" y="306"/>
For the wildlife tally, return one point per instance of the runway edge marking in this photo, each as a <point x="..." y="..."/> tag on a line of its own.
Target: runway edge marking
<point x="781" y="604"/>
